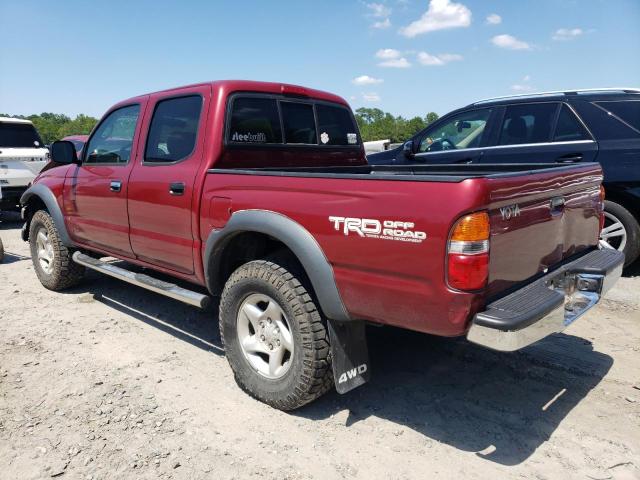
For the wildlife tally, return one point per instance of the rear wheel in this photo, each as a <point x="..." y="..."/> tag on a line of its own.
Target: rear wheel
<point x="621" y="231"/>
<point x="51" y="259"/>
<point x="274" y="337"/>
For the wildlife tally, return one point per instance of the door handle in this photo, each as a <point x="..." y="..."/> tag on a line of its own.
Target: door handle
<point x="115" y="186"/>
<point x="569" y="158"/>
<point x="176" y="188"/>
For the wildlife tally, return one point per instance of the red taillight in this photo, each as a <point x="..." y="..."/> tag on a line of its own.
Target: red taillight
<point x="601" y="209"/>
<point x="468" y="252"/>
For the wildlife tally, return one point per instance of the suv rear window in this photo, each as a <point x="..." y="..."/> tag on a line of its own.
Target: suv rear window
<point x="527" y="123"/>
<point x="257" y="120"/>
<point x="569" y="127"/>
<point x="19" y="135"/>
<point x="627" y="111"/>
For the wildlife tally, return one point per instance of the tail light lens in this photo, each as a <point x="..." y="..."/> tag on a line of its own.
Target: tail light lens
<point x="468" y="252"/>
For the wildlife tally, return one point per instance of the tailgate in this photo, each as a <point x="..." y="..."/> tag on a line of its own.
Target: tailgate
<point x="539" y="219"/>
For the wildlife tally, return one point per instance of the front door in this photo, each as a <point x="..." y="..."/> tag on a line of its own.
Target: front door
<point x="96" y="191"/>
<point x="162" y="193"/>
<point x="457" y="140"/>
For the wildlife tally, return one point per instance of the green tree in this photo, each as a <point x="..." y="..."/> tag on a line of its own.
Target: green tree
<point x="374" y="124"/>
<point x="54" y="126"/>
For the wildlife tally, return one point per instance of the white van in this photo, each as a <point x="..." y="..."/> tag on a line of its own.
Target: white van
<point x="22" y="156"/>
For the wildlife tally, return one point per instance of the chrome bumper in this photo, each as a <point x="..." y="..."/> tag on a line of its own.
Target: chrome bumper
<point x="547" y="305"/>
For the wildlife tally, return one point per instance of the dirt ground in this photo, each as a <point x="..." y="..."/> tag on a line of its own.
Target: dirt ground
<point x="110" y="381"/>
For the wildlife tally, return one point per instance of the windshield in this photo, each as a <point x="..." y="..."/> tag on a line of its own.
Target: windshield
<point x="19" y="135"/>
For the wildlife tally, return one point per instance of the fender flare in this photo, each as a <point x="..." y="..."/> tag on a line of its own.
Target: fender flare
<point x="48" y="198"/>
<point x="298" y="239"/>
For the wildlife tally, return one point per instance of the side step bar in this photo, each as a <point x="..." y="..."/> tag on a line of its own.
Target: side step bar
<point x="145" y="281"/>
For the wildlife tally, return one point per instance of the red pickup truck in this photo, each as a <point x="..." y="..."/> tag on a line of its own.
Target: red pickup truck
<point x="260" y="194"/>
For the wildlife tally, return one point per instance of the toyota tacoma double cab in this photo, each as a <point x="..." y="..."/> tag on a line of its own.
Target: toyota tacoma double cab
<point x="260" y="194"/>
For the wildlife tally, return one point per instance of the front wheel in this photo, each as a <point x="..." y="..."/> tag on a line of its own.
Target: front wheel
<point x="51" y="258"/>
<point x="621" y="231"/>
<point x="274" y="337"/>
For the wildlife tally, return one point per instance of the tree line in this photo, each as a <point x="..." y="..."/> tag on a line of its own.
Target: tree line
<point x="54" y="126"/>
<point x="374" y="124"/>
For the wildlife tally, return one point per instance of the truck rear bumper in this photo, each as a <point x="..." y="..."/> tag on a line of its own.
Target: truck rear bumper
<point x="547" y="305"/>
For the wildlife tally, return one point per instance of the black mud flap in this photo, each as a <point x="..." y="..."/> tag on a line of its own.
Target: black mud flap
<point x="350" y="355"/>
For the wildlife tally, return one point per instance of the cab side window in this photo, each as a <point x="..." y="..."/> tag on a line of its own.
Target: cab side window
<point x="569" y="127"/>
<point x="527" y="123"/>
<point x="112" y="141"/>
<point x="465" y="130"/>
<point x="173" y="130"/>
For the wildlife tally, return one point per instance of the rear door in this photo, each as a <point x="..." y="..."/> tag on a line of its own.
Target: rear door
<point x="541" y="132"/>
<point x="96" y="191"/>
<point x="162" y="193"/>
<point x="458" y="139"/>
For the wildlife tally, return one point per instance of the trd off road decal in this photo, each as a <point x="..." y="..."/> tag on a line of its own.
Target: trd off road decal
<point x="383" y="229"/>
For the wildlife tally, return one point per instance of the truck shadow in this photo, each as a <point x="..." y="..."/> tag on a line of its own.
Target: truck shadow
<point x="500" y="406"/>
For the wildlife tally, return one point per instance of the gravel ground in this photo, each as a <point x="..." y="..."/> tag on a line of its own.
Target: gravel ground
<point x="109" y="381"/>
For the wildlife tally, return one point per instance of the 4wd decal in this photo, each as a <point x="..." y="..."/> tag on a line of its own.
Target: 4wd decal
<point x="352" y="373"/>
<point x="383" y="229"/>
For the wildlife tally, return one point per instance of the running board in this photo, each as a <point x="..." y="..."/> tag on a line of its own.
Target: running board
<point x="145" y="281"/>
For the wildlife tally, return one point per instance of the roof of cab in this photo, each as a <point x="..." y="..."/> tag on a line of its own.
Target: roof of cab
<point x="227" y="87"/>
<point x="14" y="120"/>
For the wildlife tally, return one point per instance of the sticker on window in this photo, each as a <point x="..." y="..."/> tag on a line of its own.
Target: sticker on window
<point x="249" y="137"/>
<point x="352" y="138"/>
<point x="324" y="137"/>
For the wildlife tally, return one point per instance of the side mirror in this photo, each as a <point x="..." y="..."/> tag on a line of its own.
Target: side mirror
<point x="462" y="125"/>
<point x="64" y="152"/>
<point x="407" y="148"/>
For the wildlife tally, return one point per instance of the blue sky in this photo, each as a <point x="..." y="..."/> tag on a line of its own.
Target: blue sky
<point x="403" y="56"/>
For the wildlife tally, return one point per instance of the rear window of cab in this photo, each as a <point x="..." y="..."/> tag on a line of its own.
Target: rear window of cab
<point x="271" y="120"/>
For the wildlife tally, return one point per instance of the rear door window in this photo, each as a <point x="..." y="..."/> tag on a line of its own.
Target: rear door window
<point x="174" y="129"/>
<point x="254" y="120"/>
<point x="627" y="111"/>
<point x="336" y="126"/>
<point x="569" y="127"/>
<point x="299" y="123"/>
<point x="527" y="123"/>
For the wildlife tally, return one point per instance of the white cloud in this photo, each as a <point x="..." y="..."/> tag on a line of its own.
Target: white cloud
<point x="510" y="42"/>
<point x="521" y="88"/>
<point x="381" y="13"/>
<point x="388" y="53"/>
<point x="366" y="80"/>
<point x="567" y="33"/>
<point x="436" y="60"/>
<point x="379" y="10"/>
<point x="395" y="63"/>
<point x="386" y="23"/>
<point x="392" y="58"/>
<point x="494" y="19"/>
<point x="440" y="15"/>
<point x="371" y="97"/>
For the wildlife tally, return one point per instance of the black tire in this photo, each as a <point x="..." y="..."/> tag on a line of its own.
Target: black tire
<point x="1" y="250"/>
<point x="64" y="272"/>
<point x="310" y="374"/>
<point x="632" y="228"/>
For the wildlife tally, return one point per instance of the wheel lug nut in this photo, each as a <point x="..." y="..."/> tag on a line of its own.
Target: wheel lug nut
<point x="270" y="346"/>
<point x="269" y="320"/>
<point x="262" y="337"/>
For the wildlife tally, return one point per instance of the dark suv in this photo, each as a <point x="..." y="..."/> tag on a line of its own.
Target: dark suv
<point x="574" y="126"/>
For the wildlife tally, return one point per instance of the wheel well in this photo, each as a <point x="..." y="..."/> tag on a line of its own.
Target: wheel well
<point x="627" y="201"/>
<point x="34" y="204"/>
<point x="245" y="247"/>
